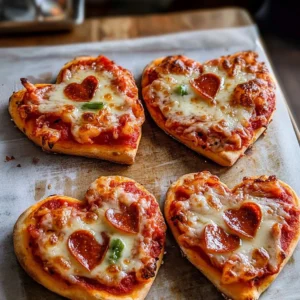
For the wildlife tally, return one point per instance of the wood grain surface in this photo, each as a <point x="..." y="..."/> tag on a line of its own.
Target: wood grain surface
<point x="98" y="29"/>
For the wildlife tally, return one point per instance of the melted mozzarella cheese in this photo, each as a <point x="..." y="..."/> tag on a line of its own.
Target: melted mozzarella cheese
<point x="129" y="261"/>
<point x="200" y="213"/>
<point x="188" y="108"/>
<point x="115" y="103"/>
<point x="104" y="93"/>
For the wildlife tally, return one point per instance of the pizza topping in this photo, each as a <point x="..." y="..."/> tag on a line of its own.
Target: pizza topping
<point x="87" y="251"/>
<point x="224" y="101"/>
<point x="116" y="249"/>
<point x="93" y="105"/>
<point x="90" y="102"/>
<point x="216" y="240"/>
<point x="79" y="243"/>
<point x="28" y="85"/>
<point x="244" y="221"/>
<point x="246" y="233"/>
<point x="261" y="257"/>
<point x="237" y="269"/>
<point x="127" y="220"/>
<point x="182" y="90"/>
<point x="207" y="86"/>
<point x="84" y="91"/>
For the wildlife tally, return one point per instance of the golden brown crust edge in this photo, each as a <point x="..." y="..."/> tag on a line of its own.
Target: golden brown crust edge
<point x="119" y="154"/>
<point x="27" y="261"/>
<point x="70" y="63"/>
<point x="229" y="291"/>
<point x="223" y="158"/>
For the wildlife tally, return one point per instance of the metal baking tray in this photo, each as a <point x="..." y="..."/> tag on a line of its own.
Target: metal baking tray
<point x="34" y="20"/>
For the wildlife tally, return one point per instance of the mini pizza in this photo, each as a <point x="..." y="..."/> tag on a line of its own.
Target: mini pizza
<point x="93" y="110"/>
<point x="240" y="239"/>
<point x="109" y="246"/>
<point x="219" y="108"/>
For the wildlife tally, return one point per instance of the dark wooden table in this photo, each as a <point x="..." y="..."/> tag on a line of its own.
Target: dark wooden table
<point x="109" y="28"/>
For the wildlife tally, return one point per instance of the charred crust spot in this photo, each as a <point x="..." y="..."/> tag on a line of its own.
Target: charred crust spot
<point x="177" y="64"/>
<point x="265" y="179"/>
<point x="177" y="218"/>
<point x="272" y="178"/>
<point x="152" y="75"/>
<point x="116" y="153"/>
<point x="262" y="179"/>
<point x="148" y="271"/>
<point x="282" y="255"/>
<point x="51" y="272"/>
<point x="23" y="80"/>
<point x="226" y="64"/>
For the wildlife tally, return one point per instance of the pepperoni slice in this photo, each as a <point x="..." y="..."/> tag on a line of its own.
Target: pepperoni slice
<point x="127" y="220"/>
<point x="82" y="92"/>
<point x="244" y="221"/>
<point x="86" y="250"/>
<point x="216" y="240"/>
<point x="206" y="85"/>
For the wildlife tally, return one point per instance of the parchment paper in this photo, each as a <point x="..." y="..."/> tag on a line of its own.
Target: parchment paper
<point x="160" y="159"/>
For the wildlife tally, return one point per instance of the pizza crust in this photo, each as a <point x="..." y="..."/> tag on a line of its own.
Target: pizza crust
<point x="224" y="158"/>
<point x="74" y="292"/>
<point x="235" y="291"/>
<point x="119" y="154"/>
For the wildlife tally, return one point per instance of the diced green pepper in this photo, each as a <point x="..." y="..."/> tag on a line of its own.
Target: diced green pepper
<point x="92" y="105"/>
<point x="182" y="90"/>
<point x="116" y="248"/>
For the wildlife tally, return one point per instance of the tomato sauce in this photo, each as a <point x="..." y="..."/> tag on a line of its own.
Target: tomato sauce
<point x="126" y="285"/>
<point x="107" y="138"/>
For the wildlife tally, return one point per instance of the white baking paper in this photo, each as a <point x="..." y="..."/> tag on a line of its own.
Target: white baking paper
<point x="160" y="159"/>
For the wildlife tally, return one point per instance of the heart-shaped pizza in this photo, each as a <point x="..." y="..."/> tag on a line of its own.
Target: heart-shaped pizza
<point x="93" y="110"/>
<point x="109" y="246"/>
<point x="218" y="108"/>
<point x="240" y="239"/>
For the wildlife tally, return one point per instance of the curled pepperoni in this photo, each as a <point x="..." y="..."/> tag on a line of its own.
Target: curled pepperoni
<point x="216" y="240"/>
<point x="206" y="85"/>
<point x="244" y="221"/>
<point x="127" y="220"/>
<point x="84" y="91"/>
<point x="86" y="250"/>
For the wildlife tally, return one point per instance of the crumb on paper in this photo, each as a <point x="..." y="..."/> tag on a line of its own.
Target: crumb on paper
<point x="9" y="158"/>
<point x="18" y="165"/>
<point x="35" y="160"/>
<point x="49" y="186"/>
